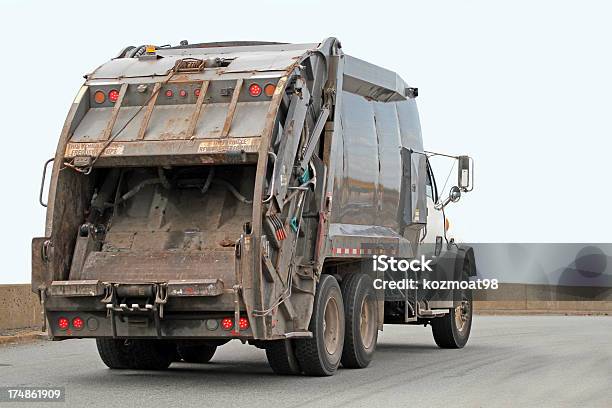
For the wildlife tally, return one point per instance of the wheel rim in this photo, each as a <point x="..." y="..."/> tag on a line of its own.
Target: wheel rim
<point x="462" y="315"/>
<point x="331" y="326"/>
<point x="367" y="322"/>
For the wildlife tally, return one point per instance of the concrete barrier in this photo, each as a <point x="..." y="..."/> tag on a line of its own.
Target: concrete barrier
<point x="19" y="307"/>
<point x="522" y="298"/>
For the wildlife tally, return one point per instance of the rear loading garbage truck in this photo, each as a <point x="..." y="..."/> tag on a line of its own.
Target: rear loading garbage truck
<point x="215" y="191"/>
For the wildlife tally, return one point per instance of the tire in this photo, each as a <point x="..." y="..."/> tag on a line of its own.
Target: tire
<point x="361" y="317"/>
<point x="452" y="331"/>
<point x="135" y="354"/>
<point x="281" y="357"/>
<point x="200" y="354"/>
<point x="113" y="354"/>
<point x="320" y="355"/>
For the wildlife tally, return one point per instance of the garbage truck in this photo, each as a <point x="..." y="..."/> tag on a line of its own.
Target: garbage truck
<point x="207" y="192"/>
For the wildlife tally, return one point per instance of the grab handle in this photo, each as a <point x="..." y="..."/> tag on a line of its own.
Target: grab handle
<point x="42" y="182"/>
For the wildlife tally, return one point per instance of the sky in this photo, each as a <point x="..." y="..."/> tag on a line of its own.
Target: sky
<point x="524" y="87"/>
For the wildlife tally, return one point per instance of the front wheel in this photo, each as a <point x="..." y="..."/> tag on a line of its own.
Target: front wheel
<point x="320" y="355"/>
<point x="453" y="330"/>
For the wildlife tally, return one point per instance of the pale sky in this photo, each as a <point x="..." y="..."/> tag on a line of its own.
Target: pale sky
<point x="524" y="87"/>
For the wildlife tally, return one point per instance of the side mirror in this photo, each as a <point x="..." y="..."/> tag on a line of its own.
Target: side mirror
<point x="465" y="173"/>
<point x="453" y="196"/>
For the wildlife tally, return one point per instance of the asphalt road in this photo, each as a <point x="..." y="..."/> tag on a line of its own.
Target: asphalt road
<point x="510" y="361"/>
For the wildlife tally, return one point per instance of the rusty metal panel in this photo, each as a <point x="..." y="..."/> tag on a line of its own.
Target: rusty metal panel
<point x="172" y="122"/>
<point x="231" y="110"/>
<point x="169" y="152"/>
<point x="235" y="47"/>
<point x="76" y="288"/>
<point x="160" y="266"/>
<point x="198" y="108"/>
<point x="40" y="268"/>
<point x="243" y="59"/>
<point x="111" y="123"/>
<point x="264" y="61"/>
<point x="249" y="119"/>
<point x="212" y="118"/>
<point x="169" y="122"/>
<point x="144" y="123"/>
<point x="131" y="132"/>
<point x="91" y="128"/>
<point x="133" y="67"/>
<point x="195" y="287"/>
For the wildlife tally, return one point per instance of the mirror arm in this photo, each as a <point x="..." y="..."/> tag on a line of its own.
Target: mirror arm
<point x="440" y="205"/>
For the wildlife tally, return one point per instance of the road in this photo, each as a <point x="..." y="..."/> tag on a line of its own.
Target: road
<point x="510" y="361"/>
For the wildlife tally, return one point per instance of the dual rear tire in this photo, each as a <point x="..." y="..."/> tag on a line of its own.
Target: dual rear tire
<point x="344" y="327"/>
<point x="139" y="354"/>
<point x="361" y="313"/>
<point x="136" y="354"/>
<point x="200" y="354"/>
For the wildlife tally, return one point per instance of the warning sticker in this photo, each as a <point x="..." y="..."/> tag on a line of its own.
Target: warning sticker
<point x="92" y="149"/>
<point x="246" y="144"/>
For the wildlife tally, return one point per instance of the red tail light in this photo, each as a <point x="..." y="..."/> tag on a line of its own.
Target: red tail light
<point x="254" y="90"/>
<point x="78" y="323"/>
<point x="113" y="95"/>
<point x="63" y="323"/>
<point x="197" y="92"/>
<point x="169" y="93"/>
<point x="227" y="323"/>
<point x="243" y="323"/>
<point x="183" y="93"/>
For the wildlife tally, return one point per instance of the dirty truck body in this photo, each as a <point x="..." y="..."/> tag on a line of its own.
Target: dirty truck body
<point x="220" y="191"/>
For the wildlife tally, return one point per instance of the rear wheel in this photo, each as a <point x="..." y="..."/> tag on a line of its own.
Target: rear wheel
<point x="320" y="355"/>
<point x="361" y="315"/>
<point x="135" y="354"/>
<point x="453" y="330"/>
<point x="281" y="357"/>
<point x="199" y="354"/>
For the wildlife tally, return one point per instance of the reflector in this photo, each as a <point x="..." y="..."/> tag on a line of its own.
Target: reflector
<point x="269" y="89"/>
<point x="99" y="97"/>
